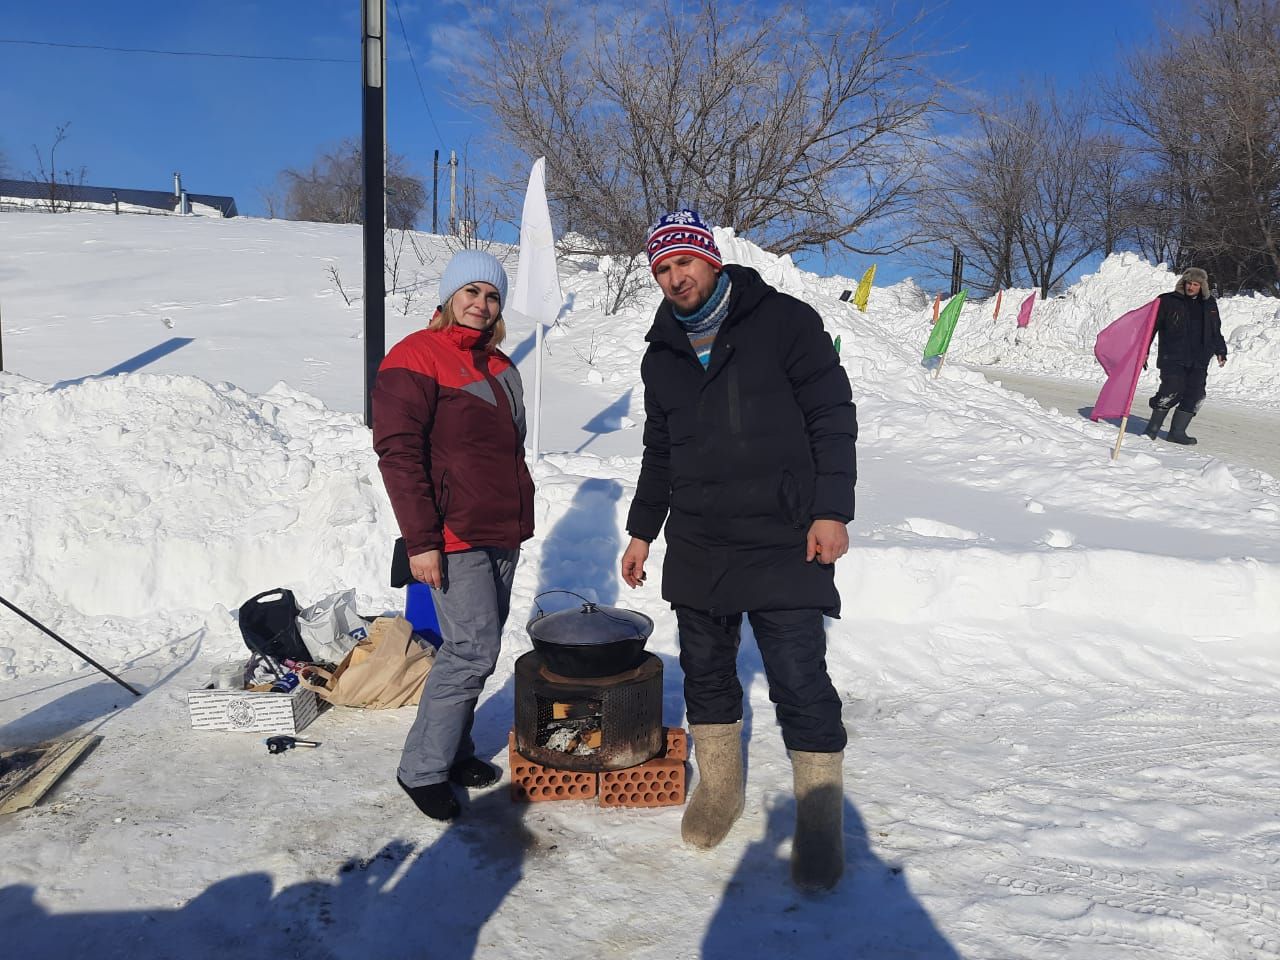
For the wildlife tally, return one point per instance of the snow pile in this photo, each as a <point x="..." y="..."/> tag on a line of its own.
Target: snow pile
<point x="1059" y="340"/>
<point x="143" y="495"/>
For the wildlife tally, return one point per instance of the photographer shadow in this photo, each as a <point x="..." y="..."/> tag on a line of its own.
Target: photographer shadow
<point x="871" y="912"/>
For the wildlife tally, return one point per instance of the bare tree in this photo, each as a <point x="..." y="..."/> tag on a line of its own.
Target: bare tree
<point x="1054" y="235"/>
<point x="1205" y="109"/>
<point x="979" y="192"/>
<point x="58" y="186"/>
<point x="802" y="133"/>
<point x="272" y="200"/>
<point x="477" y="219"/>
<point x="1110" y="195"/>
<point x="331" y="189"/>
<point x="1028" y="195"/>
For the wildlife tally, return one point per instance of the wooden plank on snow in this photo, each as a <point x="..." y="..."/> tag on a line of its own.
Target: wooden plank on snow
<point x="27" y="774"/>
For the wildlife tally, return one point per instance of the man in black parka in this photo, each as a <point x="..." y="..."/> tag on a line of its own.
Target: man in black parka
<point x="749" y="460"/>
<point x="1190" y="332"/>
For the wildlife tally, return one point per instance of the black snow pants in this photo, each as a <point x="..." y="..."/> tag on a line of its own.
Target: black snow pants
<point x="793" y="646"/>
<point x="1182" y="384"/>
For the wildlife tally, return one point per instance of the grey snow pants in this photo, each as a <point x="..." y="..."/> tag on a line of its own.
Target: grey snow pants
<point x="472" y="607"/>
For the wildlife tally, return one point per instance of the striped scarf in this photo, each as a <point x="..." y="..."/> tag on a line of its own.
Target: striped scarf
<point x="703" y="325"/>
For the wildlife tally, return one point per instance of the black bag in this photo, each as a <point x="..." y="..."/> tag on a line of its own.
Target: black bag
<point x="400" y="573"/>
<point x="269" y="625"/>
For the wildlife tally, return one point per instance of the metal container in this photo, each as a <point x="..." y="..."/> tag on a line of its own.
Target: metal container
<point x="590" y="640"/>
<point x="588" y="725"/>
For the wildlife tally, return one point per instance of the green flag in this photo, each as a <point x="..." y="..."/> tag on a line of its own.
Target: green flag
<point x="940" y="339"/>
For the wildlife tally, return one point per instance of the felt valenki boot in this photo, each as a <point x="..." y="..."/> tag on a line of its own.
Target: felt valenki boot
<point x="817" y="853"/>
<point x="718" y="798"/>
<point x="1178" y="429"/>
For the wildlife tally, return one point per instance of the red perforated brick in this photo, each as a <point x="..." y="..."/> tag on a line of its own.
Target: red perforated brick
<point x="533" y="782"/>
<point x="677" y="744"/>
<point x="658" y="783"/>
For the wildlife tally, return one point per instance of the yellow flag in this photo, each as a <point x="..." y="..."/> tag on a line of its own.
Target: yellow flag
<point x="864" y="289"/>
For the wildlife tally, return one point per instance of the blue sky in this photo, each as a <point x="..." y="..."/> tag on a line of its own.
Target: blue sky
<point x="230" y="125"/>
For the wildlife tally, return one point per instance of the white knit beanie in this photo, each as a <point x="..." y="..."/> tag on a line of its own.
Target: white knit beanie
<point x="470" y="266"/>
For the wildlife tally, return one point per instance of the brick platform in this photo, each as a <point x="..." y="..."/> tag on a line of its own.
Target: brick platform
<point x="659" y="782"/>
<point x="533" y="782"/>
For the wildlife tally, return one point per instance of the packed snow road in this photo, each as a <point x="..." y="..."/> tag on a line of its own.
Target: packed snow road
<point x="1225" y="429"/>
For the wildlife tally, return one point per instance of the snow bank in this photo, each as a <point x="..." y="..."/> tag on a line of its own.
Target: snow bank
<point x="1059" y="340"/>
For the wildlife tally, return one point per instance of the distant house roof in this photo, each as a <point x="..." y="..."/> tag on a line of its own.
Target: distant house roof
<point x="156" y="199"/>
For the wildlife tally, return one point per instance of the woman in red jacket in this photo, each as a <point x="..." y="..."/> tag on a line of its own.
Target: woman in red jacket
<point x="449" y="426"/>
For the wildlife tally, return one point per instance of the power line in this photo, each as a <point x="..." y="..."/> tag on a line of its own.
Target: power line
<point x="408" y="46"/>
<point x="176" y="53"/>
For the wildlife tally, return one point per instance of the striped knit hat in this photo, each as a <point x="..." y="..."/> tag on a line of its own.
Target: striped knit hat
<point x="682" y="232"/>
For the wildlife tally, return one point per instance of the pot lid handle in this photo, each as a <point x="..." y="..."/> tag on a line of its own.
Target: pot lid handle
<point x="588" y="606"/>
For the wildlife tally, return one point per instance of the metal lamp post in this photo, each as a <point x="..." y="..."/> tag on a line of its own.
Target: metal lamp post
<point x="373" y="152"/>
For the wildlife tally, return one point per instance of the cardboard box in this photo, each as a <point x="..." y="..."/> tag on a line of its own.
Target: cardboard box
<point x="248" y="711"/>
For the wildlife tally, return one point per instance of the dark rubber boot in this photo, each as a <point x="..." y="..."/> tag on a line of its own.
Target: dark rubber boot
<point x="1155" y="422"/>
<point x="1178" y="429"/>
<point x="474" y="772"/>
<point x="436" y="800"/>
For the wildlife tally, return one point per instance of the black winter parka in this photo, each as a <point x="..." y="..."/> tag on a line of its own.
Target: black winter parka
<point x="1182" y="339"/>
<point x="740" y="458"/>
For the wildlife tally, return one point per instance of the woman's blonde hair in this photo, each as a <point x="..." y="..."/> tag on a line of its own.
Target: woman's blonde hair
<point x="446" y="318"/>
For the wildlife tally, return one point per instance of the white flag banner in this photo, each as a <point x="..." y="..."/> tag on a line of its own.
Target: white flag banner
<point x="537" y="294"/>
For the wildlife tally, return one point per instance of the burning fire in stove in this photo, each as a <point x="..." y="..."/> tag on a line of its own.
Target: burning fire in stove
<point x="588" y="724"/>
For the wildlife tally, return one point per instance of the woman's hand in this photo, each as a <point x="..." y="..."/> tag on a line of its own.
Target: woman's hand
<point x="426" y="568"/>
<point x="633" y="559"/>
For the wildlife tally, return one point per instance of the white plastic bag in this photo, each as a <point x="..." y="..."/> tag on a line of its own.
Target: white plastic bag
<point x="331" y="627"/>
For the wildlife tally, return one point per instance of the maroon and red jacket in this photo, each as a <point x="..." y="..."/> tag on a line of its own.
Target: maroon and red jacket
<point x="448" y="426"/>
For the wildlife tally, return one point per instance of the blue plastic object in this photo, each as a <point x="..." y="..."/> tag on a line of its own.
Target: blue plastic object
<point x="420" y="610"/>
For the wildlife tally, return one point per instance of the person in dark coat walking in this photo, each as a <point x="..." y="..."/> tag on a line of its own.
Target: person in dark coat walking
<point x="749" y="461"/>
<point x="1190" y="332"/>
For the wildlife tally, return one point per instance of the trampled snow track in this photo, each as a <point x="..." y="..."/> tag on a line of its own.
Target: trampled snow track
<point x="1237" y="924"/>
<point x="1202" y="770"/>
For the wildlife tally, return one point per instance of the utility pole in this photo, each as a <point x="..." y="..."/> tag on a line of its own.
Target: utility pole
<point x="957" y="270"/>
<point x="453" y="192"/>
<point x="373" y="153"/>
<point x="435" y="190"/>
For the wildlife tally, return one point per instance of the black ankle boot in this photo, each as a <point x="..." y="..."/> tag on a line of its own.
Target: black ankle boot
<point x="1178" y="429"/>
<point x="474" y="772"/>
<point x="436" y="800"/>
<point x="1153" y="425"/>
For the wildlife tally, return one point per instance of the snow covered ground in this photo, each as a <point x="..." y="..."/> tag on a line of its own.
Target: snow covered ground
<point x="1059" y="671"/>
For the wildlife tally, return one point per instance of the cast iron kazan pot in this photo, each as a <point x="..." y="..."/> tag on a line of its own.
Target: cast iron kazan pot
<point x="590" y="640"/>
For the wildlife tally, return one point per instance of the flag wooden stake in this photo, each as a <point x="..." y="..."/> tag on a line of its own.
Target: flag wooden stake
<point x="938" y="369"/>
<point x="937" y="299"/>
<point x="1124" y="421"/>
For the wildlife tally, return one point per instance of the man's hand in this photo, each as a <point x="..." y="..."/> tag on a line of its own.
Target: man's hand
<point x="1222" y="361"/>
<point x="633" y="559"/>
<point x="426" y="568"/>
<point x="828" y="541"/>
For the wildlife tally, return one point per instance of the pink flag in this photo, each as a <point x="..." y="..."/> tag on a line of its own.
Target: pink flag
<point x="1121" y="348"/>
<point x="1024" y="311"/>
